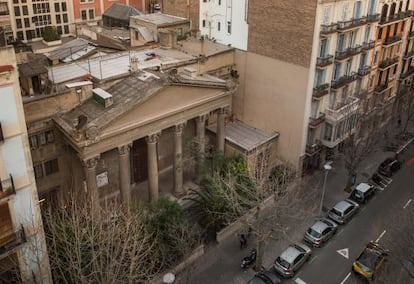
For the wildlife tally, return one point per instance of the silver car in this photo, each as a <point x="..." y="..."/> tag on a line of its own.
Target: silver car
<point x="343" y="211"/>
<point x="292" y="259"/>
<point x="321" y="231"/>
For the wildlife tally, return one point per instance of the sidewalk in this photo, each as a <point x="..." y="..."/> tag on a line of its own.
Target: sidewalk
<point x="221" y="262"/>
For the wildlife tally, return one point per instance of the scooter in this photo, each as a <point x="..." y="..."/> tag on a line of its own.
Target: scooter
<point x="249" y="260"/>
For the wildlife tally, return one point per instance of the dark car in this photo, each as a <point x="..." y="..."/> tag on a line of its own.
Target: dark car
<point x="389" y="166"/>
<point x="266" y="277"/>
<point x="363" y="192"/>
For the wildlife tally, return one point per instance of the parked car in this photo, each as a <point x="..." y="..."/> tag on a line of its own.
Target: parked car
<point x="292" y="259"/>
<point x="266" y="277"/>
<point x="363" y="192"/>
<point x="370" y="260"/>
<point x="321" y="231"/>
<point x="343" y="211"/>
<point x="389" y="166"/>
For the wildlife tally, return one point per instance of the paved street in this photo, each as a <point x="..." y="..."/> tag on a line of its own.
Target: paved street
<point x="221" y="262"/>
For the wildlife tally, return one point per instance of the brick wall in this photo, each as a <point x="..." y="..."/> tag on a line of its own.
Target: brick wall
<point x="179" y="8"/>
<point x="282" y="29"/>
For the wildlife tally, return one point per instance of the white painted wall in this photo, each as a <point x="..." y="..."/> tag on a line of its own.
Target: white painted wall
<point x="213" y="12"/>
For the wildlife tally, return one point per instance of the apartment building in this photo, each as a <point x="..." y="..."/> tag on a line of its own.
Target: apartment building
<point x="23" y="254"/>
<point x="189" y="9"/>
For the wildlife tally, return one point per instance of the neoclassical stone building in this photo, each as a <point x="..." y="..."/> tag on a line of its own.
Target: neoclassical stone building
<point x="132" y="139"/>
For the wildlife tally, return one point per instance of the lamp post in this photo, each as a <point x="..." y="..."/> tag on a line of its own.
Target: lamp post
<point x="327" y="168"/>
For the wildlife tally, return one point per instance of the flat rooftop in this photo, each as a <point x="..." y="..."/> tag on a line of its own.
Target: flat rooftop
<point x="193" y="46"/>
<point x="160" y="19"/>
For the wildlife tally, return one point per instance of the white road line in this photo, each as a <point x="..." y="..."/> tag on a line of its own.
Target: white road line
<point x="346" y="278"/>
<point x="382" y="234"/>
<point x="406" y="204"/>
<point x="299" y="281"/>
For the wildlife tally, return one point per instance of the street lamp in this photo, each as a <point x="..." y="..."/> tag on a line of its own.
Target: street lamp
<point x="327" y="168"/>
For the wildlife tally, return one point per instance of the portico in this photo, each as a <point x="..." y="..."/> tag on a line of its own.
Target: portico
<point x="145" y="131"/>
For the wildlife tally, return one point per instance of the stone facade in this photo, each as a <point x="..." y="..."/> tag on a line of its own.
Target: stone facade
<point x="275" y="29"/>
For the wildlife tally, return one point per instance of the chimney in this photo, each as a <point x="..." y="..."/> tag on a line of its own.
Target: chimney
<point x="134" y="64"/>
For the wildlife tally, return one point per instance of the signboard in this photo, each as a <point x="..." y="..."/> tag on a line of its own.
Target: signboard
<point x="102" y="179"/>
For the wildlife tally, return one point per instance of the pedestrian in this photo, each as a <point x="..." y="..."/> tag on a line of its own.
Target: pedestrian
<point x="242" y="241"/>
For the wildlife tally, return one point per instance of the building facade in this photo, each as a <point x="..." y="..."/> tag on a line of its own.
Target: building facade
<point x="23" y="254"/>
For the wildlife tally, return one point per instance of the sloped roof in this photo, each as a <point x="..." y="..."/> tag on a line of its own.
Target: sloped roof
<point x="161" y="20"/>
<point x="244" y="135"/>
<point x="72" y="50"/>
<point x="35" y="66"/>
<point x="121" y="12"/>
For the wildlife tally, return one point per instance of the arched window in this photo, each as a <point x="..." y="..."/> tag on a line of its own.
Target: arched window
<point x="407" y="6"/>
<point x="392" y="10"/>
<point x="384" y="12"/>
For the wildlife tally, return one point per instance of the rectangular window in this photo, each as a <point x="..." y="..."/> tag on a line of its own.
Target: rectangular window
<point x="19" y="23"/>
<point x="328" y="132"/>
<point x="229" y="27"/>
<point x="218" y="26"/>
<point x="58" y="20"/>
<point x="65" y="18"/>
<point x="42" y="138"/>
<point x="83" y="15"/>
<point x="204" y="23"/>
<point x="64" y="7"/>
<point x="51" y="167"/>
<point x="66" y="29"/>
<point x="26" y="22"/>
<point x="17" y="11"/>
<point x="91" y="14"/>
<point x="25" y="10"/>
<point x="219" y="2"/>
<point x="59" y="29"/>
<point x="57" y="7"/>
<point x="50" y="137"/>
<point x="38" y="171"/>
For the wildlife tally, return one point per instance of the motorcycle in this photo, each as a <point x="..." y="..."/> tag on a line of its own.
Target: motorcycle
<point x="249" y="260"/>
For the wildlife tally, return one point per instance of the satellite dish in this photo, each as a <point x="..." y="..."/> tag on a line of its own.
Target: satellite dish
<point x="168" y="278"/>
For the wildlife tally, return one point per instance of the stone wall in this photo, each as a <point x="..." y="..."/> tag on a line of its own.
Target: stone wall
<point x="179" y="8"/>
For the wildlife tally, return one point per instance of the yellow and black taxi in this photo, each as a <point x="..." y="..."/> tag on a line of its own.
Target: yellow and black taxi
<point x="370" y="260"/>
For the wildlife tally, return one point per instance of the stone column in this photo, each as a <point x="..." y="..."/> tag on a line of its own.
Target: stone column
<point x="125" y="172"/>
<point x="152" y="165"/>
<point x="89" y="167"/>
<point x="178" y="159"/>
<point x="220" y="129"/>
<point x="201" y="141"/>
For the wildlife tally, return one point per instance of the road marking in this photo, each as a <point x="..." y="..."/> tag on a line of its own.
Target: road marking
<point x="406" y="204"/>
<point x="382" y="234"/>
<point x="346" y="278"/>
<point x="344" y="252"/>
<point x="313" y="258"/>
<point x="299" y="281"/>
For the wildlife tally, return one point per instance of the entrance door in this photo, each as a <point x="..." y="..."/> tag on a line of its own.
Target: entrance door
<point x="139" y="161"/>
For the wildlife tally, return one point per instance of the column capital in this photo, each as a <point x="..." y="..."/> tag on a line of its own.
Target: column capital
<point x="153" y="138"/>
<point x="124" y="149"/>
<point x="202" y="118"/>
<point x="180" y="127"/>
<point x="91" y="163"/>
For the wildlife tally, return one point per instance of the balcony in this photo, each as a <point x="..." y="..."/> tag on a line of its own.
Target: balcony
<point x="314" y="148"/>
<point x="391" y="40"/>
<point x="350" y="51"/>
<point x="353" y="23"/>
<point x="388" y="63"/>
<point x="408" y="73"/>
<point x="324" y="61"/>
<point x="373" y="18"/>
<point x="381" y="88"/>
<point x="363" y="71"/>
<point x="409" y="54"/>
<point x="361" y="94"/>
<point x="314" y="122"/>
<point x="344" y="80"/>
<point x="328" y="29"/>
<point x="320" y="91"/>
<point x="11" y="240"/>
<point x="367" y="45"/>
<point x="342" y="109"/>
<point x="393" y="18"/>
<point x="7" y="188"/>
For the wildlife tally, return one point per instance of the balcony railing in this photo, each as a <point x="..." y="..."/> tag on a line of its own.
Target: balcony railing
<point x="314" y="148"/>
<point x="343" y="109"/>
<point x="361" y="94"/>
<point x="409" y="54"/>
<point x="7" y="187"/>
<point x="350" y="51"/>
<point x="324" y="61"/>
<point x="373" y="18"/>
<point x="392" y="40"/>
<point x="320" y="91"/>
<point x="381" y="88"/>
<point x="328" y="29"/>
<point x="363" y="71"/>
<point x="12" y="240"/>
<point x="367" y="45"/>
<point x="406" y="74"/>
<point x="344" y="80"/>
<point x="316" y="121"/>
<point x="388" y="62"/>
<point x="394" y="18"/>
<point x="353" y="23"/>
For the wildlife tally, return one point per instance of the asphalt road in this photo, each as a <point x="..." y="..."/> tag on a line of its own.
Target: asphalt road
<point x="374" y="221"/>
